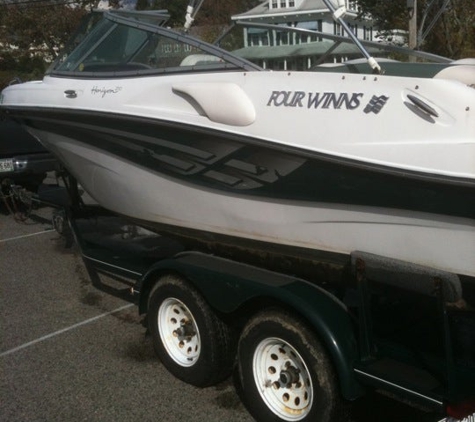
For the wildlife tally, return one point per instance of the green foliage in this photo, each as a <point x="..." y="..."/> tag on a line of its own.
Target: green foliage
<point x="176" y="8"/>
<point x="32" y="36"/>
<point x="387" y="14"/>
<point x="453" y="34"/>
<point x="141" y="5"/>
<point x="212" y="12"/>
<point x="22" y="67"/>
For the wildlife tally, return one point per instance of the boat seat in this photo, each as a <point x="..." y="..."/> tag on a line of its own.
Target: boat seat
<point x="461" y="72"/>
<point x="200" y="59"/>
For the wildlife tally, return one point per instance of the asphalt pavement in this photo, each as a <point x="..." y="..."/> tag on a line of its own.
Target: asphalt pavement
<point x="70" y="352"/>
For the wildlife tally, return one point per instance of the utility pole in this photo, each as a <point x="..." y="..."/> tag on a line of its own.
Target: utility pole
<point x="412" y="9"/>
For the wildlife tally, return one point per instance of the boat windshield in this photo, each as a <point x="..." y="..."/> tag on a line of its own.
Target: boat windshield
<point x="131" y="44"/>
<point x="124" y="44"/>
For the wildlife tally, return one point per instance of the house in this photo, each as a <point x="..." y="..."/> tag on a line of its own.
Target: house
<point x="299" y="51"/>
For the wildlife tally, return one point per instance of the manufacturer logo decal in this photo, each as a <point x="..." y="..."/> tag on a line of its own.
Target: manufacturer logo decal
<point x="326" y="100"/>
<point x="323" y="100"/>
<point x="376" y="104"/>
<point x="104" y="91"/>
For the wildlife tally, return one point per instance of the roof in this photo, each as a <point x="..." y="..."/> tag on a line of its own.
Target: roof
<point x="261" y="11"/>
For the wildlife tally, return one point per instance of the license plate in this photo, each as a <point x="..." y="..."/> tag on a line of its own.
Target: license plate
<point x="6" y="164"/>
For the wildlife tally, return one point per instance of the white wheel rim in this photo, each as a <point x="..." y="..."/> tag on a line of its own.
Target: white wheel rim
<point x="283" y="379"/>
<point x="179" y="332"/>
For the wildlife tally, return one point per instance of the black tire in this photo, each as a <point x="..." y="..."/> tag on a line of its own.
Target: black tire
<point x="190" y="340"/>
<point x="281" y="354"/>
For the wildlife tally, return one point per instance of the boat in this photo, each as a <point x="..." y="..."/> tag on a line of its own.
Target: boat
<point x="197" y="141"/>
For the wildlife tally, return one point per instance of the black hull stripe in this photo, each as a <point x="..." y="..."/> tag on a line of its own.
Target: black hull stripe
<point x="246" y="166"/>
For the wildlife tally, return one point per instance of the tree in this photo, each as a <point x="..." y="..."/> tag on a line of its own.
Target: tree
<point x="387" y="14"/>
<point x="176" y="9"/>
<point x="142" y="5"/>
<point x="212" y="12"/>
<point x="453" y="34"/>
<point x="33" y="29"/>
<point x="33" y="32"/>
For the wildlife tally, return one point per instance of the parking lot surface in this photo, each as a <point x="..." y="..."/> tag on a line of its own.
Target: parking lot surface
<point x="70" y="352"/>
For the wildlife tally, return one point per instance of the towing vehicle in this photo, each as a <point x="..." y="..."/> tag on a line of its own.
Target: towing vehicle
<point x="24" y="164"/>
<point x="23" y="160"/>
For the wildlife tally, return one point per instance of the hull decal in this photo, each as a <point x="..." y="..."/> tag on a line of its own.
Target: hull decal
<point x="238" y="165"/>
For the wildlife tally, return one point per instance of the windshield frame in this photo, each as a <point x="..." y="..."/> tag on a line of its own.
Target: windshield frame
<point x="133" y="20"/>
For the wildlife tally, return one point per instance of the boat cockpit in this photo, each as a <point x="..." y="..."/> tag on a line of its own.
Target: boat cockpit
<point x="131" y="44"/>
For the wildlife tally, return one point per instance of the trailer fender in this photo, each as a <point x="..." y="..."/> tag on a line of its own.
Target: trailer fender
<point x="229" y="285"/>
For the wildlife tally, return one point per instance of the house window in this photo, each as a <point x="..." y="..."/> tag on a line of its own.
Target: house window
<point x="313" y="26"/>
<point x="337" y="29"/>
<point x="354" y="29"/>
<point x="282" y="38"/>
<point x="281" y="4"/>
<point x="257" y="37"/>
<point x="253" y="40"/>
<point x="368" y="33"/>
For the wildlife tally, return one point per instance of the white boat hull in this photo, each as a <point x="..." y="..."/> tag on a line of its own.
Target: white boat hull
<point x="173" y="131"/>
<point x="438" y="241"/>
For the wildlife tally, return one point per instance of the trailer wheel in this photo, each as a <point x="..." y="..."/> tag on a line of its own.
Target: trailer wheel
<point x="189" y="338"/>
<point x="285" y="373"/>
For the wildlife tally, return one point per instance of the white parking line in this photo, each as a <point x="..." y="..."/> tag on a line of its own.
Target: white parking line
<point x="26" y="235"/>
<point x="64" y="330"/>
